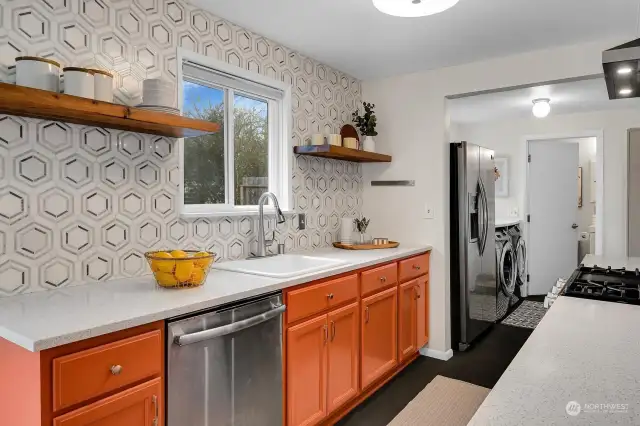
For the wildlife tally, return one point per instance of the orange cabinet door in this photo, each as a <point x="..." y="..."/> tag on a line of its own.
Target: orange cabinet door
<point x="307" y="372"/>
<point x="407" y="327"/>
<point x="343" y="357"/>
<point x="379" y="336"/>
<point x="422" y="312"/>
<point x="138" y="406"/>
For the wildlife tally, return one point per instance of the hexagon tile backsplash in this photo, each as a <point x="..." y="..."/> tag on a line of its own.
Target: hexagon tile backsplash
<point x="81" y="204"/>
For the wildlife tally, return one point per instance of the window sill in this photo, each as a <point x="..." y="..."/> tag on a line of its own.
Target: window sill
<point x="268" y="211"/>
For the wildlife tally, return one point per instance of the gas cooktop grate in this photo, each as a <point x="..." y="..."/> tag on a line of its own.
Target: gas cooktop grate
<point x="614" y="285"/>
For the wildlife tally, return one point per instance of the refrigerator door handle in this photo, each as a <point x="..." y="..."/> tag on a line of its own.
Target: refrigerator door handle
<point x="485" y="217"/>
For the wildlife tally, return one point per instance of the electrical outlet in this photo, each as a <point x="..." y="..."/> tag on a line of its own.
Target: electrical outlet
<point x="428" y="212"/>
<point x="514" y="212"/>
<point x="302" y="221"/>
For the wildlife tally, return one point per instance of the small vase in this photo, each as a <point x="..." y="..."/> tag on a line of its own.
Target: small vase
<point x="369" y="144"/>
<point x="363" y="238"/>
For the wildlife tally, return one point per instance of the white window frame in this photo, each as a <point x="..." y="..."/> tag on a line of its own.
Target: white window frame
<point x="280" y="154"/>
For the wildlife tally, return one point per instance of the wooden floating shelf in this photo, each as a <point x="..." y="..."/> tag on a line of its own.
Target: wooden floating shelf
<point x="342" y="153"/>
<point x="28" y="102"/>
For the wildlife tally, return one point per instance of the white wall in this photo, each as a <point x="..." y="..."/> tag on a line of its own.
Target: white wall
<point x="414" y="128"/>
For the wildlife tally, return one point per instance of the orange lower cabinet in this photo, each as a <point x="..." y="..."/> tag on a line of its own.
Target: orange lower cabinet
<point x="138" y="406"/>
<point x="407" y="327"/>
<point x="379" y="335"/>
<point x="342" y="373"/>
<point x="423" y="311"/>
<point x="307" y="372"/>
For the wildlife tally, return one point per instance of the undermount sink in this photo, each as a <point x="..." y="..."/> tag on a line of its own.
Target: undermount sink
<point x="281" y="266"/>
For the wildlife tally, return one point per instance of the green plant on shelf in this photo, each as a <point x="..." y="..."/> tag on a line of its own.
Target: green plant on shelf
<point x="366" y="123"/>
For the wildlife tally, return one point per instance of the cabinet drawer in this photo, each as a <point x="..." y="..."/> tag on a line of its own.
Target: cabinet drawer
<point x="138" y="406"/>
<point x="413" y="267"/>
<point x="94" y="372"/>
<point x="318" y="297"/>
<point x="379" y="278"/>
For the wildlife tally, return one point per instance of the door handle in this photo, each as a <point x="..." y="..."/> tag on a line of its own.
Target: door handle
<point x="333" y="330"/>
<point x="574" y="226"/>
<point x="199" y="336"/>
<point x="154" y="401"/>
<point x="485" y="216"/>
<point x="366" y="315"/>
<point x="326" y="333"/>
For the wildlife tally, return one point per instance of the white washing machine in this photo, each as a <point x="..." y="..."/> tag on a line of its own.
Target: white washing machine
<point x="520" y="252"/>
<point x="506" y="271"/>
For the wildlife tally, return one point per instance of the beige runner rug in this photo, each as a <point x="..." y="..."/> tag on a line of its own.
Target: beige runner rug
<point x="444" y="402"/>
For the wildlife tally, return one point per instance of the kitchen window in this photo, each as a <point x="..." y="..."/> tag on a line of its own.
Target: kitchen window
<point x="224" y="174"/>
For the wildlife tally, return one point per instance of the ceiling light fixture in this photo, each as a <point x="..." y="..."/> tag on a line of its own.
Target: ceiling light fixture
<point x="626" y="91"/>
<point x="541" y="107"/>
<point x="625" y="70"/>
<point x="413" y="8"/>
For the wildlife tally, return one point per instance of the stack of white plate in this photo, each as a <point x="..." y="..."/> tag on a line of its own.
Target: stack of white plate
<point x="174" y="111"/>
<point x="159" y="95"/>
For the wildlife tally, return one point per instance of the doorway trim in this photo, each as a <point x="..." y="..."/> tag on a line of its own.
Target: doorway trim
<point x="599" y="135"/>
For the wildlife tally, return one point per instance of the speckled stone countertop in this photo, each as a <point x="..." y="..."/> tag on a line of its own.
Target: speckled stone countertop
<point x="583" y="351"/>
<point x="44" y="320"/>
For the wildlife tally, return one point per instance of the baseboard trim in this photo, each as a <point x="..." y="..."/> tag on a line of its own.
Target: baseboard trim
<point x="433" y="353"/>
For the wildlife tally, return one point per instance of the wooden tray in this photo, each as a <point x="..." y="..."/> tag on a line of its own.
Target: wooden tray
<point x="390" y="244"/>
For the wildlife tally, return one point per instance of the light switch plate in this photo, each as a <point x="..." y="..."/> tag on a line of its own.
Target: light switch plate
<point x="428" y="212"/>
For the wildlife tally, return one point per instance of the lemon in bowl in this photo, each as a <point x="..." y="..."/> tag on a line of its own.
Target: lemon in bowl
<point x="180" y="268"/>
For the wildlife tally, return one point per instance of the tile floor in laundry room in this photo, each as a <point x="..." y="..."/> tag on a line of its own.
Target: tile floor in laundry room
<point x="482" y="365"/>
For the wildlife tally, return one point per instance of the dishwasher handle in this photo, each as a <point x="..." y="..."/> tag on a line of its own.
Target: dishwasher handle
<point x="187" y="339"/>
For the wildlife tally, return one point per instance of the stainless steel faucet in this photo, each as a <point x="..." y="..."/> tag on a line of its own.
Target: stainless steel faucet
<point x="263" y="243"/>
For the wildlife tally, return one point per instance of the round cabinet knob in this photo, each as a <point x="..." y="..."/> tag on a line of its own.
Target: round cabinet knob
<point x="116" y="369"/>
<point x="416" y="267"/>
<point x="330" y="295"/>
<point x="383" y="279"/>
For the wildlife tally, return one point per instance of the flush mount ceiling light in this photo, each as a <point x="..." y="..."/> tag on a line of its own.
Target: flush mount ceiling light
<point x="413" y="8"/>
<point x="541" y="107"/>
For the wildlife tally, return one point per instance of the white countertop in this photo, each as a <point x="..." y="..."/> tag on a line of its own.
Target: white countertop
<point x="43" y="320"/>
<point x="582" y="350"/>
<point x="509" y="221"/>
<point x="614" y="262"/>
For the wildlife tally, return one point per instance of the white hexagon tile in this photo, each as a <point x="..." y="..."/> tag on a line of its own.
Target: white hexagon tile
<point x="81" y="204"/>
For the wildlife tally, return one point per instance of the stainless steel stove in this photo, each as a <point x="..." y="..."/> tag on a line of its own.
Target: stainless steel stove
<point x="608" y="284"/>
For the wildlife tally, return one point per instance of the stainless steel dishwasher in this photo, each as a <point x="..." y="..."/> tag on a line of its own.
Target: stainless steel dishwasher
<point x="224" y="366"/>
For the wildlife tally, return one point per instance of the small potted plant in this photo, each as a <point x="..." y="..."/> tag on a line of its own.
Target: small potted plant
<point x="367" y="125"/>
<point x="361" y="226"/>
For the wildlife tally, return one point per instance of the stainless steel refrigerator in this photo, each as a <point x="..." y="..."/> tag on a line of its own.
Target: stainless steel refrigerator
<point x="473" y="247"/>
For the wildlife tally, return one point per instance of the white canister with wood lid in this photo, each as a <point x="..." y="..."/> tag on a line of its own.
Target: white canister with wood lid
<point x="103" y="85"/>
<point x="38" y="73"/>
<point x="79" y="82"/>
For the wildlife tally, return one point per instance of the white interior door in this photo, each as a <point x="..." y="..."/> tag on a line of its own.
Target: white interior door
<point x="553" y="208"/>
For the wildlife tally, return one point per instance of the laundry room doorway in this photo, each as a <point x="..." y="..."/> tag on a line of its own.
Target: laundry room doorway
<point x="560" y="207"/>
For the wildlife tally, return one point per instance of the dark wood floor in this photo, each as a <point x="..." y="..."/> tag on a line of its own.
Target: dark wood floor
<point x="481" y="365"/>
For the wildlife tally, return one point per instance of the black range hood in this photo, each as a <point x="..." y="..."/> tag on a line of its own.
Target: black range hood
<point x="620" y="66"/>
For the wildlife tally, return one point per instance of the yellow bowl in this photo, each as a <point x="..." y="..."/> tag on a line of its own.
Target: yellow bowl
<point x="180" y="268"/>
